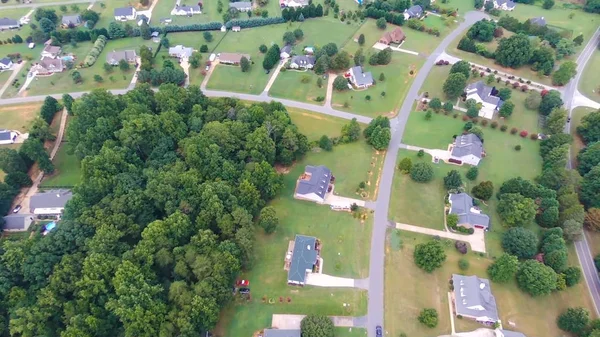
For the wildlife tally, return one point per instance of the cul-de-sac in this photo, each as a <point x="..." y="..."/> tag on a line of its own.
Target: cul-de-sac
<point x="299" y="168"/>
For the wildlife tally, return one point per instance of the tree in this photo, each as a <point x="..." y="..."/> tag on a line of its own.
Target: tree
<point x="317" y="326"/>
<point x="435" y="103"/>
<point x="548" y="4"/>
<point x="520" y="242"/>
<point x="98" y="78"/>
<point x="145" y="31"/>
<point x="479" y="4"/>
<point x="76" y="76"/>
<point x="18" y="180"/>
<point x="361" y="39"/>
<point x="504" y="268"/>
<point x="263" y="48"/>
<point x="455" y="85"/>
<point x="380" y="138"/>
<point x="448" y="107"/>
<point x="351" y="131"/>
<point x="574" y="320"/>
<point x="124" y="65"/>
<point x="340" y="61"/>
<point x="590" y="188"/>
<point x="322" y="65"/>
<point x="483" y="190"/>
<point x="381" y="23"/>
<point x="555" y="123"/>
<point x="592" y="6"/>
<point x="325" y="143"/>
<point x="533" y="100"/>
<point x="429" y="317"/>
<point x="556" y="260"/>
<point x="572" y="276"/>
<point x="298" y="33"/>
<point x="535" y="278"/>
<point x="542" y="60"/>
<point x="271" y="57"/>
<point x="340" y="83"/>
<point x="204" y="48"/>
<point x="578" y="40"/>
<point x="11" y="161"/>
<point x="195" y="60"/>
<point x="565" y="47"/>
<point x="514" y="51"/>
<point x="359" y="58"/>
<point x="46" y="25"/>
<point x="592" y="217"/>
<point x="421" y="172"/>
<point x="49" y="109"/>
<point x="506" y="109"/>
<point x="289" y="38"/>
<point x="405" y="165"/>
<point x="462" y="67"/>
<point x="550" y="101"/>
<point x="244" y="64"/>
<point x="504" y="94"/>
<point x="589" y="128"/>
<point x="472" y="173"/>
<point x="482" y="30"/>
<point x="565" y="73"/>
<point x="268" y="219"/>
<point x="208" y="37"/>
<point x="452" y="180"/>
<point x="515" y="210"/>
<point x="381" y="77"/>
<point x="429" y="256"/>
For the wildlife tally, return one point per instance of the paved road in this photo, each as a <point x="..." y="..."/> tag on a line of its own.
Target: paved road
<point x="582" y="248"/>
<point x="45" y="4"/>
<point x="376" y="265"/>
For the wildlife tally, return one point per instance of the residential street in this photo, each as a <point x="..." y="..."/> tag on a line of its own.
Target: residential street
<point x="45" y="4"/>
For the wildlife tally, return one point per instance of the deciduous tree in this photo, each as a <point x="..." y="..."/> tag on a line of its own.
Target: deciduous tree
<point x="536" y="279"/>
<point x="520" y="242"/>
<point x="429" y="256"/>
<point x="504" y="268"/>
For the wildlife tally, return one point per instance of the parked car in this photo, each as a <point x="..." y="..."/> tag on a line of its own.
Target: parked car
<point x="242" y="283"/>
<point x="244" y="291"/>
<point x="379" y="330"/>
<point x="568" y="119"/>
<point x="207" y="67"/>
<point x="17" y="209"/>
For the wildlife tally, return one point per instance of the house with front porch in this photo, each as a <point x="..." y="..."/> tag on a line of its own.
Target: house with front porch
<point x="473" y="299"/>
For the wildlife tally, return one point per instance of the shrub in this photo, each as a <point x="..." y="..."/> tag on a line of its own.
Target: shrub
<point x="533" y="136"/>
<point x="503" y="128"/>
<point x="518" y="147"/>
<point x="463" y="264"/>
<point x="514" y="131"/>
<point x="484" y="122"/>
<point x="421" y="172"/>
<point x="494" y="125"/>
<point x="523" y="133"/>
<point x="461" y="246"/>
<point x="465" y="118"/>
<point x="429" y="317"/>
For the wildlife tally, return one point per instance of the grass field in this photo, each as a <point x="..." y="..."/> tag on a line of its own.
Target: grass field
<point x="531" y="316"/>
<point x="425" y="43"/>
<point x="396" y="84"/>
<point x="314" y="33"/>
<point x="209" y="13"/>
<point x="314" y="125"/>
<point x="289" y="85"/>
<point x="67" y="170"/>
<point x="18" y="117"/>
<point x="350" y="332"/>
<point x="590" y="81"/>
<point x="106" y="10"/>
<point x="372" y="35"/>
<point x="4" y="75"/>
<point x="252" y="82"/>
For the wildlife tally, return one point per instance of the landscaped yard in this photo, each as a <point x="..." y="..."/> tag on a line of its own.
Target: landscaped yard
<point x="418" y="290"/>
<point x="395" y="86"/>
<point x="252" y="82"/>
<point x="67" y="170"/>
<point x="18" y="117"/>
<point x="421" y="41"/>
<point x="299" y="86"/>
<point x="372" y="35"/>
<point x="590" y="81"/>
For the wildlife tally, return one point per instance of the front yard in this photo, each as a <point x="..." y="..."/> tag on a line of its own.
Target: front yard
<point x="426" y="43"/>
<point x="299" y="86"/>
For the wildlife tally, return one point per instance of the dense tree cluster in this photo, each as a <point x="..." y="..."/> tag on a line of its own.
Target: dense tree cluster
<point x="429" y="256"/>
<point x="378" y="133"/>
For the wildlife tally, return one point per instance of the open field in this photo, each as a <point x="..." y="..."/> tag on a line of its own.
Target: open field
<point x="289" y="85"/>
<point x="532" y="316"/>
<point x="396" y="84"/>
<point x="319" y="32"/>
<point x="350" y="332"/>
<point x="68" y="170"/>
<point x="590" y="81"/>
<point x="252" y="82"/>
<point x="425" y="43"/>
<point x="18" y="117"/>
<point x="314" y="125"/>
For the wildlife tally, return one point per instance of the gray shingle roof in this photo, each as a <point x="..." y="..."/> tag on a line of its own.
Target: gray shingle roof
<point x="485" y="93"/>
<point x="508" y="333"/>
<point x="6" y="61"/>
<point x="5" y="22"/>
<point x="540" y="21"/>
<point x="462" y="204"/>
<point x="286" y="49"/>
<point x="189" y="9"/>
<point x="303" y="60"/>
<point x="304" y="258"/>
<point x="472" y="293"/>
<point x="509" y="3"/>
<point x="123" y="11"/>
<point x="17" y="221"/>
<point x="71" y="19"/>
<point x="361" y="77"/>
<point x="320" y="177"/>
<point x="281" y="333"/>
<point x="115" y="56"/>
<point x="5" y="135"/>
<point x="240" y="5"/>
<point x="415" y="11"/>
<point x="181" y="51"/>
<point x="468" y="144"/>
<point x="50" y="199"/>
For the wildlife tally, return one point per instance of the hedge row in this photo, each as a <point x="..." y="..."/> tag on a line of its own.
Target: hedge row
<point x="254" y="22"/>
<point x="188" y="28"/>
<point x="92" y="56"/>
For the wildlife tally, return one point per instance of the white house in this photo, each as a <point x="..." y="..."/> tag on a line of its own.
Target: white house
<point x="302" y="62"/>
<point x="5" y="63"/>
<point x="293" y="3"/>
<point x="486" y="95"/>
<point x="180" y="52"/>
<point x="468" y="149"/>
<point x="186" y="10"/>
<point x="125" y="14"/>
<point x="505" y="5"/>
<point x="242" y="6"/>
<point x="7" y="137"/>
<point x="285" y="52"/>
<point x="51" y="203"/>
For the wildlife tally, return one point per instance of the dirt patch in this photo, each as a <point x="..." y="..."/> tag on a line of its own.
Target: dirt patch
<point x="283" y="169"/>
<point x="20" y="107"/>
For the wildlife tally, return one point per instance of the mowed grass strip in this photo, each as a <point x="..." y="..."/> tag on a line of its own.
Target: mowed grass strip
<point x="418" y="290"/>
<point x="299" y="86"/>
<point x="67" y="169"/>
<point x="590" y="81"/>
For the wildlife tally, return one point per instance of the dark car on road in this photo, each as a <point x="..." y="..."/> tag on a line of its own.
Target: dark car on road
<point x="244" y="290"/>
<point x="17" y="209"/>
<point x="378" y="330"/>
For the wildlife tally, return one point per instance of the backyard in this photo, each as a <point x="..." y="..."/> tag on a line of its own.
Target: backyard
<point x="426" y="43"/>
<point x="67" y="170"/>
<point x="531" y="316"/>
<point x="299" y="86"/>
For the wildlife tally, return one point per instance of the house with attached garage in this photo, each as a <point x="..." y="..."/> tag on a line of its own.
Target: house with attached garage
<point x="281" y="333"/>
<point x="232" y="58"/>
<point x="242" y="6"/>
<point x="467" y="149"/>
<point x="314" y="184"/>
<point x="505" y="5"/>
<point x="285" y="52"/>
<point x="51" y="51"/>
<point x="48" y="66"/>
<point x="302" y="62"/>
<point x="359" y="78"/>
<point x="17" y="222"/>
<point x="5" y="63"/>
<point x="7" y="137"/>
<point x="469" y="216"/>
<point x="473" y="299"/>
<point x="486" y="95"/>
<point x="180" y="52"/>
<point x="70" y="21"/>
<point x="539" y="21"/>
<point x="6" y="23"/>
<point x="125" y="13"/>
<point x="414" y="12"/>
<point x="301" y="259"/>
<point x="184" y="10"/>
<point x="49" y="203"/>
<point x="395" y="36"/>
<point x="113" y="58"/>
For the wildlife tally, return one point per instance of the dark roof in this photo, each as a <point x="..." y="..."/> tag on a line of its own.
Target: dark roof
<point x="320" y="176"/>
<point x="8" y="22"/>
<point x="71" y="19"/>
<point x="304" y="258"/>
<point x="5" y="61"/>
<point x="17" y="221"/>
<point x="116" y="56"/>
<point x="50" y="199"/>
<point x="508" y="3"/>
<point x="361" y="77"/>
<point x="5" y="135"/>
<point x="465" y="145"/>
<point x="395" y="36"/>
<point x="281" y="333"/>
<point x="540" y="21"/>
<point x="484" y="92"/>
<point x="303" y="60"/>
<point x="462" y="205"/>
<point x="415" y="11"/>
<point x="123" y="11"/>
<point x="241" y="4"/>
<point x="286" y="49"/>
<point x="472" y="293"/>
<point x="508" y="333"/>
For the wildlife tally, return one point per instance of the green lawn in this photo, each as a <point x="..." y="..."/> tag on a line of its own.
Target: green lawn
<point x="67" y="169"/>
<point x="314" y="125"/>
<point x="107" y="12"/>
<point x="350" y="332"/>
<point x="372" y="35"/>
<point x="418" y="290"/>
<point x="314" y="33"/>
<point x="396" y="84"/>
<point x="18" y="117"/>
<point x="425" y="43"/>
<point x="209" y="13"/>
<point x="24" y="31"/>
<point x="195" y="40"/>
<point x="4" y="75"/>
<point x="289" y="85"/>
<point x="252" y="82"/>
<point x="590" y="81"/>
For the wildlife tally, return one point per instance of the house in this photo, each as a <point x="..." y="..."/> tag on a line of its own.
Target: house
<point x="114" y="57"/>
<point x="469" y="216"/>
<point x="467" y="149"/>
<point x="51" y="202"/>
<point x="186" y="10"/>
<point x="473" y="299"/>
<point x="7" y="137"/>
<point x="505" y="5"/>
<point x="242" y="6"/>
<point x="302" y="62"/>
<point x="236" y="28"/>
<point x="415" y="12"/>
<point x="48" y="66"/>
<point x="281" y="333"/>
<point x="70" y="21"/>
<point x="17" y="222"/>
<point x="301" y="259"/>
<point x="232" y="58"/>
<point x="314" y="183"/>
<point x="51" y="51"/>
<point x="125" y="13"/>
<point x="359" y="78"/>
<point x="485" y="95"/>
<point x="5" y="63"/>
<point x="180" y="52"/>
<point x="293" y="3"/>
<point x="6" y="23"/>
<point x="539" y="21"/>
<point x="395" y="36"/>
<point x="285" y="52"/>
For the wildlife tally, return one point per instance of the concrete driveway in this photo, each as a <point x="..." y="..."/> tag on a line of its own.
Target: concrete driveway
<point x="476" y="240"/>
<point x="292" y="322"/>
<point x="324" y="280"/>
